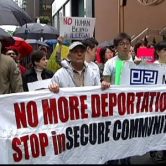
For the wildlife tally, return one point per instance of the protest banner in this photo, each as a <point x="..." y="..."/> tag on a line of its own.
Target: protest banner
<point x="82" y="125"/>
<point x="77" y="28"/>
<point x="142" y="74"/>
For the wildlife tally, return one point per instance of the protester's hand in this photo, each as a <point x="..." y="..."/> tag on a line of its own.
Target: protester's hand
<point x="60" y="40"/>
<point x="137" y="61"/>
<point x="105" y="85"/>
<point x="54" y="88"/>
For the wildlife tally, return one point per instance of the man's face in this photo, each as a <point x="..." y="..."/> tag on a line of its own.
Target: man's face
<point x="123" y="47"/>
<point x="12" y="54"/>
<point x="92" y="52"/>
<point x="162" y="55"/>
<point x="77" y="55"/>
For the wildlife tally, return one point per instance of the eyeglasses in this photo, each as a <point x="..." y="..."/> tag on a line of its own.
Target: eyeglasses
<point x="124" y="43"/>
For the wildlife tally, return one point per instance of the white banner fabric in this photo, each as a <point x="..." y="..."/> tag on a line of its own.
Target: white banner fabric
<point x="82" y="125"/>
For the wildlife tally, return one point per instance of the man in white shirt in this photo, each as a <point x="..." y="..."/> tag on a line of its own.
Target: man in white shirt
<point x="74" y="72"/>
<point x="122" y="44"/>
<point x="90" y="55"/>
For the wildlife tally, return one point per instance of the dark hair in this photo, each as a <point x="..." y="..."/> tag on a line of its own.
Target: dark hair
<point x="43" y="48"/>
<point x="159" y="46"/>
<point x="138" y="45"/>
<point x="90" y="42"/>
<point x="36" y="56"/>
<point x="102" y="52"/>
<point x="120" y="37"/>
<point x="10" y="48"/>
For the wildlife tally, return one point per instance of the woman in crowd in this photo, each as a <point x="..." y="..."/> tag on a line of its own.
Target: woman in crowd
<point x="106" y="53"/>
<point x="38" y="70"/>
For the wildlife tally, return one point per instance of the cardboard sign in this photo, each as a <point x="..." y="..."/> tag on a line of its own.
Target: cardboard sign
<point x="147" y="54"/>
<point x="143" y="74"/>
<point x="77" y="28"/>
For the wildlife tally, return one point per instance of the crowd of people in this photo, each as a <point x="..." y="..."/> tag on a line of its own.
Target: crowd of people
<point x="76" y="67"/>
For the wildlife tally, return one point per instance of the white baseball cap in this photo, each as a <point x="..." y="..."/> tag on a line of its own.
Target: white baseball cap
<point x="75" y="44"/>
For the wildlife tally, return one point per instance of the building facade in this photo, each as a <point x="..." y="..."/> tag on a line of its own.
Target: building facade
<point x="38" y="8"/>
<point x="135" y="17"/>
<point x="74" y="8"/>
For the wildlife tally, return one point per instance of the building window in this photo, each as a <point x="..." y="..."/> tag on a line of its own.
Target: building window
<point x="68" y="9"/>
<point x="77" y="8"/>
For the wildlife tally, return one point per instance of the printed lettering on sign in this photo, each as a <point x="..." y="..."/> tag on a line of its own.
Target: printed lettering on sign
<point x="141" y="77"/>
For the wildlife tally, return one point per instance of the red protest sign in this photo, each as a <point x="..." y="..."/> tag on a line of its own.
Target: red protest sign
<point x="147" y="54"/>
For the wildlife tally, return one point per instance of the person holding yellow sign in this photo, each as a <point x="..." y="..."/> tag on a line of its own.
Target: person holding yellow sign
<point x="59" y="53"/>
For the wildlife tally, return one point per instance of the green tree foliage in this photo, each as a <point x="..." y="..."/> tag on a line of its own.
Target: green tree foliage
<point x="45" y="20"/>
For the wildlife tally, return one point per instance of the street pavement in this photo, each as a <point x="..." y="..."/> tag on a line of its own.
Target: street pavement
<point x="145" y="160"/>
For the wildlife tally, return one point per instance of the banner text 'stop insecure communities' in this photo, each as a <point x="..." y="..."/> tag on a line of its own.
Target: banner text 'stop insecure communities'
<point x="86" y="125"/>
